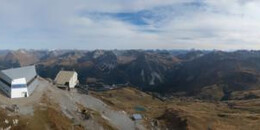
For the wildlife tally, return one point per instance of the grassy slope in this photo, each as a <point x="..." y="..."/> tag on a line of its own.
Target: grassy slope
<point x="186" y="114"/>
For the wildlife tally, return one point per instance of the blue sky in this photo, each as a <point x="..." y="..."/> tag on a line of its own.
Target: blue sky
<point x="130" y="24"/>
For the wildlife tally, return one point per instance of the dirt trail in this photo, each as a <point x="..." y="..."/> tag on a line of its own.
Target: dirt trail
<point x="68" y="101"/>
<point x="121" y="120"/>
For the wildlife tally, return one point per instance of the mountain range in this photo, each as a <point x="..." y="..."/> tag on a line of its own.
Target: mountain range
<point x="214" y="75"/>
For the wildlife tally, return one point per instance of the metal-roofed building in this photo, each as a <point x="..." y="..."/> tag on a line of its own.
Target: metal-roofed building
<point x="67" y="79"/>
<point x="18" y="82"/>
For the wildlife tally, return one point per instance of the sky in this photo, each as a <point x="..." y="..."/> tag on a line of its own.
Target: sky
<point x="130" y="24"/>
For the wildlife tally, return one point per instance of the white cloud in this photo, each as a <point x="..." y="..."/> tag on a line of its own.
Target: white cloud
<point x="209" y="24"/>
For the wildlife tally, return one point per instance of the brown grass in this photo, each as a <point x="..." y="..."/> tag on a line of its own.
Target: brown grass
<point x="96" y="116"/>
<point x="3" y="117"/>
<point x="198" y="115"/>
<point x="45" y="117"/>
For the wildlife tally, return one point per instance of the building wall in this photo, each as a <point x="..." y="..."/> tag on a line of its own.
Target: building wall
<point x="3" y="86"/>
<point x="19" y="93"/>
<point x="19" y="88"/>
<point x="73" y="81"/>
<point x="6" y="78"/>
<point x="32" y="86"/>
<point x="6" y="89"/>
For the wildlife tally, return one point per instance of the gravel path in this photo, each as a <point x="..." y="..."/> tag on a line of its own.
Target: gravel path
<point x="119" y="119"/>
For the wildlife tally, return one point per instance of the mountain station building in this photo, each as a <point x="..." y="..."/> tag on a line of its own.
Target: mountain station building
<point x="67" y="79"/>
<point x="18" y="82"/>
